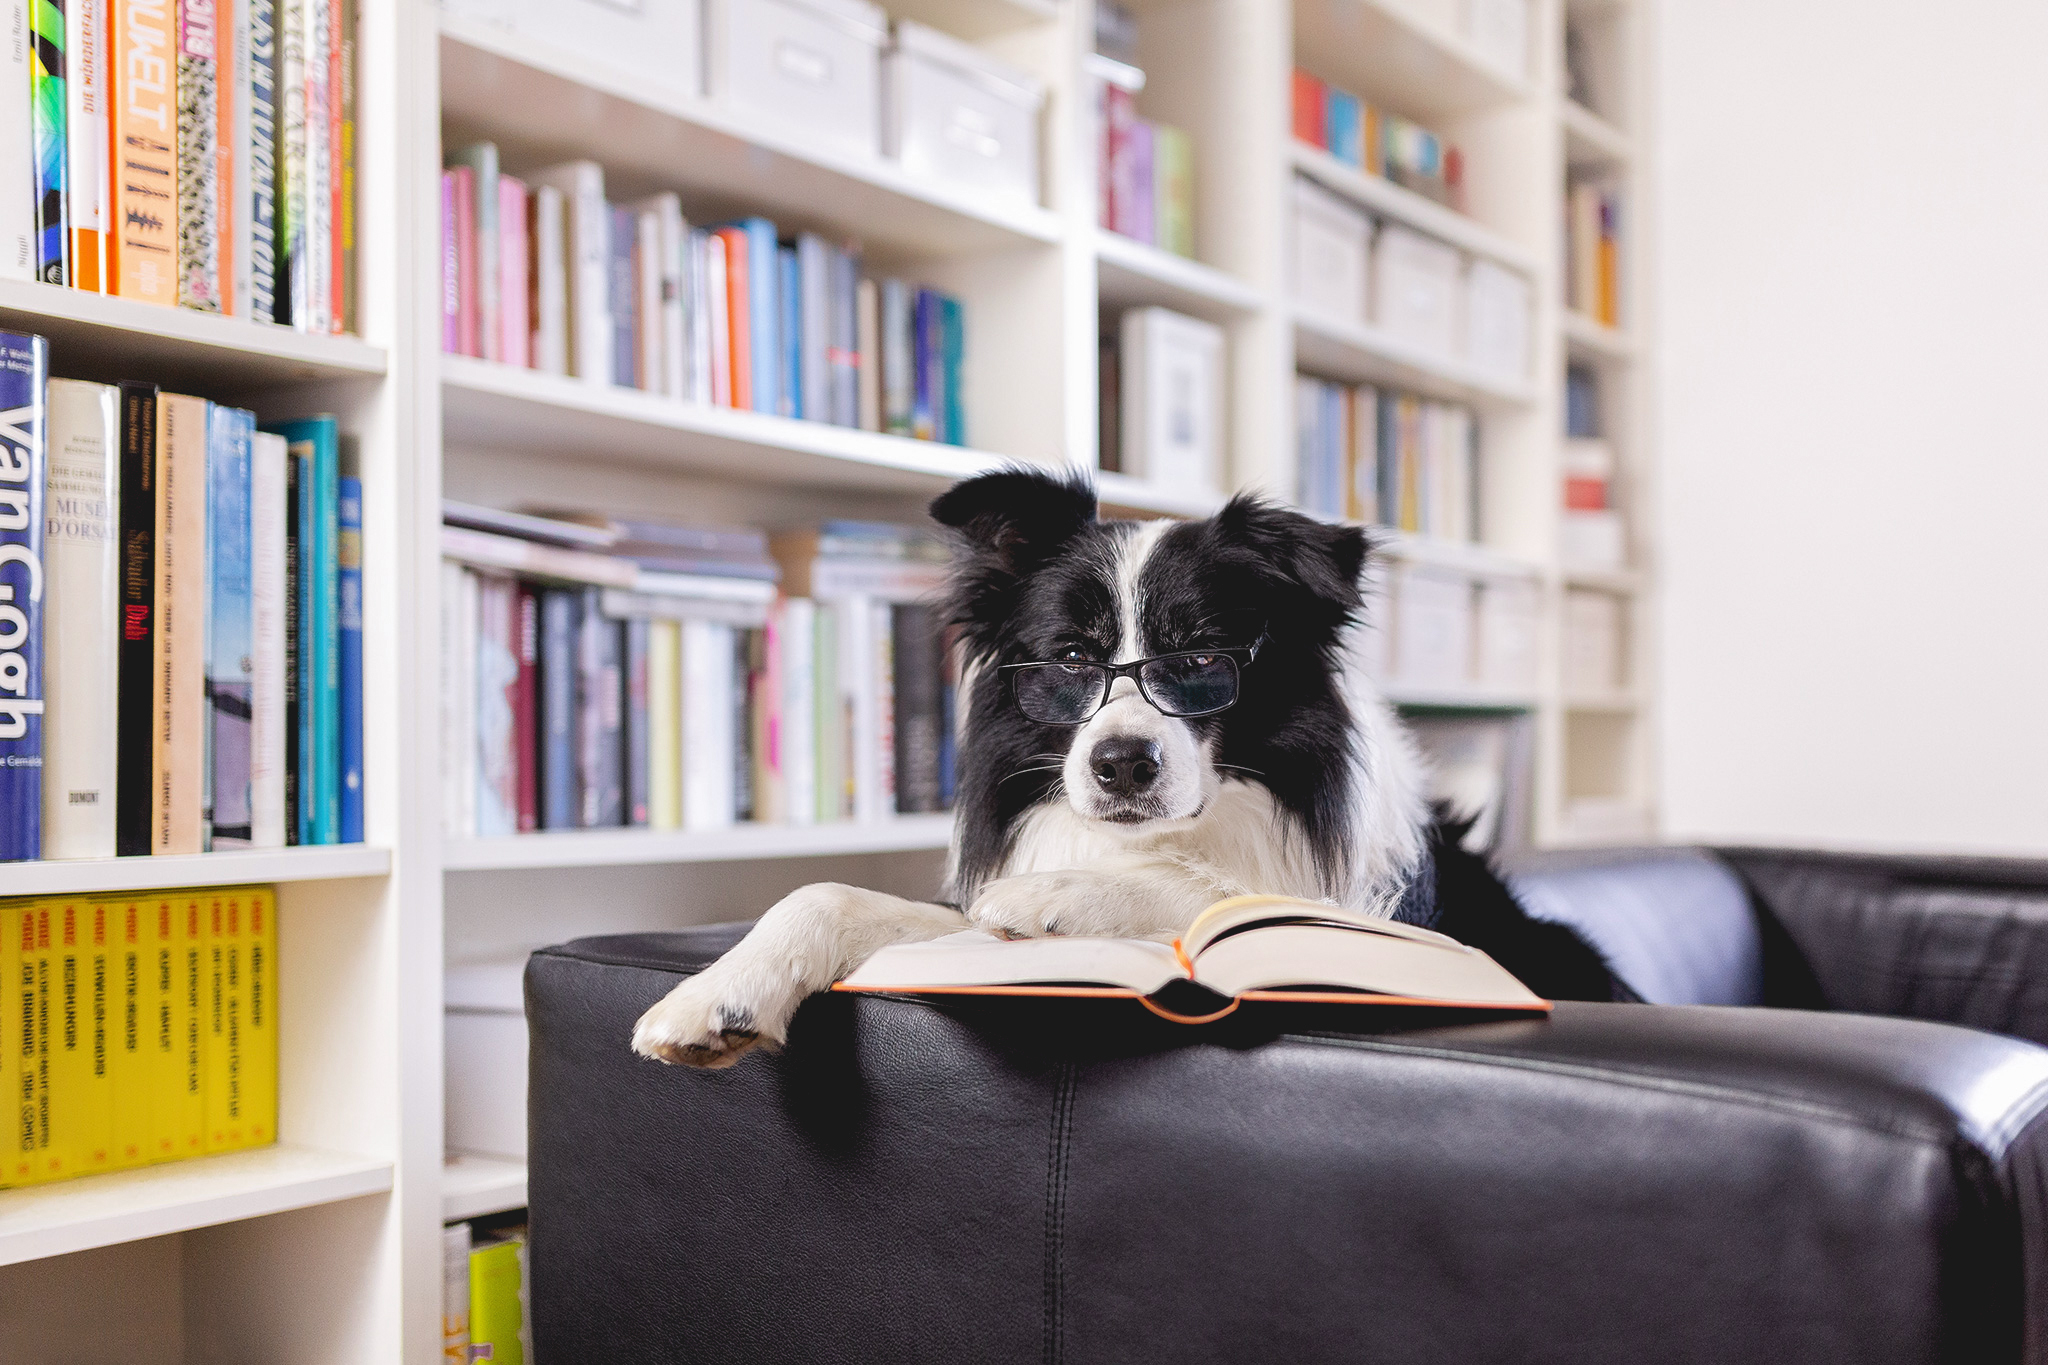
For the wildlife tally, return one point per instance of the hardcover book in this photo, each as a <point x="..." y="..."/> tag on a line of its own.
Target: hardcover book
<point x="17" y="148"/>
<point x="177" y="734"/>
<point x="82" y="639"/>
<point x="144" y="175"/>
<point x="587" y="276"/>
<point x="260" y="185"/>
<point x="348" y="658"/>
<point x="556" y="750"/>
<point x="134" y="726"/>
<point x="86" y="76"/>
<point x="230" y="627"/>
<point x="23" y="370"/>
<point x="199" y="223"/>
<point x="48" y="115"/>
<point x="270" y="605"/>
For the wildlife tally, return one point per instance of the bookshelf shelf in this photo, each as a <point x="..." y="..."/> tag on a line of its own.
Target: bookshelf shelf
<point x="1602" y="703"/>
<point x="473" y="1186"/>
<point x="1589" y="140"/>
<point x="1132" y="274"/>
<point x="1357" y="352"/>
<point x="126" y="1206"/>
<point x="740" y="843"/>
<point x="1464" y="556"/>
<point x="1459" y="699"/>
<point x="1619" y="581"/>
<point x="1373" y="48"/>
<point x="1383" y="196"/>
<point x="99" y="336"/>
<point x="543" y="105"/>
<point x="1588" y="339"/>
<point x="91" y="875"/>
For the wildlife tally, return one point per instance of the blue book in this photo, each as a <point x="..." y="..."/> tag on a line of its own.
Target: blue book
<point x="952" y="356"/>
<point x="315" y="446"/>
<point x="790" y="334"/>
<point x="764" y="313"/>
<point x="349" y="653"/>
<point x="230" y="627"/>
<point x="24" y="367"/>
<point x="560" y="609"/>
<point x="1344" y="128"/>
<point x="625" y="299"/>
<point x="924" y="350"/>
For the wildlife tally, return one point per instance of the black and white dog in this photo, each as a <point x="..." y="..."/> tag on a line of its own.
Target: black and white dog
<point x="1157" y="715"/>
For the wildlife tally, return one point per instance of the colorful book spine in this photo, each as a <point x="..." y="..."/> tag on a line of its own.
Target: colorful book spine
<point x="497" y="681"/>
<point x="340" y="175"/>
<point x="269" y="605"/>
<point x="231" y="154"/>
<point x="764" y="314"/>
<point x="451" y="267"/>
<point x="952" y="357"/>
<point x="260" y="185"/>
<point x="664" y="724"/>
<point x="315" y="449"/>
<point x="258" y="1019"/>
<point x="924" y="349"/>
<point x="294" y="645"/>
<point x="185" y="1097"/>
<point x="789" y="335"/>
<point x="560" y="608"/>
<point x="178" y="796"/>
<point x="312" y="311"/>
<point x="198" y="174"/>
<point x="17" y="147"/>
<point x="81" y="639"/>
<point x="144" y="175"/>
<point x="497" y="1302"/>
<point x="468" y="295"/>
<point x="899" y="373"/>
<point x="515" y="337"/>
<point x="348" y="657"/>
<point x="525" y="711"/>
<point x="622" y="295"/>
<point x="134" y="747"/>
<point x="635" y="723"/>
<point x="231" y="626"/>
<point x="23" y="373"/>
<point x="586" y="257"/>
<point x="288" y="250"/>
<point x="48" y="114"/>
<point x="738" y="330"/>
<point x="477" y="237"/>
<point x="128" y="1051"/>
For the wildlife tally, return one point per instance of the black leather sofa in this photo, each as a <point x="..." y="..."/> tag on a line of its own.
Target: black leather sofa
<point x="1824" y="1141"/>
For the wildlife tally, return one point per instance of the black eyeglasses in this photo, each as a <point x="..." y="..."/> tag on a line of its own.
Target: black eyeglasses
<point x="1195" y="682"/>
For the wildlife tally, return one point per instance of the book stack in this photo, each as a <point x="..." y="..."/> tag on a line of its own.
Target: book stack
<point x="185" y="152"/>
<point x="1371" y="455"/>
<point x="1377" y="142"/>
<point x="544" y="272"/>
<point x="1592" y="234"/>
<point x="484" y="1312"/>
<point x="186" y="671"/>
<point x="136" y="1029"/>
<point x="623" y="673"/>
<point x="1146" y="170"/>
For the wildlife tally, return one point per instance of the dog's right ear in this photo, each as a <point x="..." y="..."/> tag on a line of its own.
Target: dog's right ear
<point x="1005" y="525"/>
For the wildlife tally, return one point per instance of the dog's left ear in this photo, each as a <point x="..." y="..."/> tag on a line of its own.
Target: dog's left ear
<point x="1005" y="526"/>
<point x="1297" y="555"/>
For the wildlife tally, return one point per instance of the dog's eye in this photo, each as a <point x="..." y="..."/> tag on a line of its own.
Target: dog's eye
<point x="1073" y="655"/>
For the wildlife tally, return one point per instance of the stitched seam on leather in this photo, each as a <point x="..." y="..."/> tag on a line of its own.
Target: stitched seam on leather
<point x="1064" y="1081"/>
<point x="1697" y="1089"/>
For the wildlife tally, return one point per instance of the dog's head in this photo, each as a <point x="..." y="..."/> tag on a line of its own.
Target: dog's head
<point x="1250" y="604"/>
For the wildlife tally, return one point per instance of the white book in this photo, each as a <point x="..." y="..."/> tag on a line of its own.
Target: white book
<point x="81" y="602"/>
<point x="868" y="309"/>
<point x="550" y="281"/>
<point x="856" y="692"/>
<point x="717" y="325"/>
<point x="458" y="656"/>
<point x="587" y="254"/>
<point x="1172" y="369"/>
<point x="497" y="670"/>
<point x="316" y="313"/>
<point x="799" y="737"/>
<point x="663" y="311"/>
<point x="814" y="319"/>
<point x="482" y="159"/>
<point x="455" y="1292"/>
<point x="709" y="751"/>
<point x="17" y="151"/>
<point x="648" y="279"/>
<point x="882" y="675"/>
<point x="697" y="317"/>
<point x="269" y="460"/>
<point x="85" y="135"/>
<point x="234" y="144"/>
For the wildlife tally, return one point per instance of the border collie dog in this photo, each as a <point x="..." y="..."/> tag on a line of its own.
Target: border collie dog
<point x="1157" y="715"/>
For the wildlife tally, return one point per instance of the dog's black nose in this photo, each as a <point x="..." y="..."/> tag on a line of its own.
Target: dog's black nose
<point x="1125" y="766"/>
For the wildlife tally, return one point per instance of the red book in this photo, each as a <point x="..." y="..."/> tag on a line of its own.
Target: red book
<point x="1582" y="494"/>
<point x="1311" y="100"/>
<point x="466" y="338"/>
<point x="739" y="346"/>
<point x="525" y="692"/>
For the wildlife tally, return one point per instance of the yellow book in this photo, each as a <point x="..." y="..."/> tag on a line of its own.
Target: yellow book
<point x="167" y="1017"/>
<point x="665" y="724"/>
<point x="213" y="1028"/>
<point x="21" y="1128"/>
<point x="187" y="1109"/>
<point x="40" y="974"/>
<point x="497" y="1302"/>
<point x="81" y="1097"/>
<point x="259" y="1018"/>
<point x="227" y="1080"/>
<point x="132" y="1035"/>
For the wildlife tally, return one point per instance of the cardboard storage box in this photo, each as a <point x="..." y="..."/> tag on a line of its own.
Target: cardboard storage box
<point x="811" y="68"/>
<point x="955" y="115"/>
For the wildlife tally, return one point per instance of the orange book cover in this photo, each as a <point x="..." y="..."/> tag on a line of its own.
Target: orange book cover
<point x="739" y="335"/>
<point x="1311" y="101"/>
<point x="1610" y="284"/>
<point x="143" y="162"/>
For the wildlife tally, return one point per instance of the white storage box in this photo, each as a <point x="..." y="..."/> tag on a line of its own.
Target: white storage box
<point x="811" y="68"/>
<point x="486" y="1059"/>
<point x="1416" y="287"/>
<point x="1497" y="320"/>
<point x="1499" y="29"/>
<point x="1508" y="620"/>
<point x="1172" y="400"/>
<point x="1432" y="627"/>
<point x="1592" y="644"/>
<point x="654" y="40"/>
<point x="1332" y="244"/>
<point x="1592" y="542"/>
<point x="954" y="115"/>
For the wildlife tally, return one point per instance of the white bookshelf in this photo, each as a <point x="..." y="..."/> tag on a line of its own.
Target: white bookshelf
<point x="327" y="1248"/>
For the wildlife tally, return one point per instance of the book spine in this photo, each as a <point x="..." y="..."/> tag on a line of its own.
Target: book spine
<point x="231" y="625"/>
<point x="127" y="1049"/>
<point x="488" y="762"/>
<point x="259" y="1017"/>
<point x="868" y="310"/>
<point x="828" y="742"/>
<point x="455" y="759"/>
<point x="158" y="1024"/>
<point x="451" y="269"/>
<point x="311" y="298"/>
<point x="589" y="247"/>
<point x="924" y="415"/>
<point x="764" y="314"/>
<point x="259" y="209"/>
<point x="952" y="360"/>
<point x="325" y="635"/>
<point x="717" y="327"/>
<point x="288" y="251"/>
<point x="186" y="1106"/>
<point x="23" y="366"/>
<point x="558" y="778"/>
<point x="341" y="168"/>
<point x="213" y="1031"/>
<point x="348" y="657"/>
<point x="17" y="1111"/>
<point x="635" y="753"/>
<point x="739" y="339"/>
<point x="232" y="156"/>
<point x="548" y="281"/>
<point x="17" y="148"/>
<point x="71" y="1094"/>
<point x="914" y="637"/>
<point x="742" y="742"/>
<point x="701" y="313"/>
<point x="842" y="361"/>
<point x="133" y="748"/>
<point x="48" y="113"/>
<point x="515" y="312"/>
<point x="899" y="373"/>
<point x="85" y="137"/>
<point x="294" y="645"/>
<point x="884" y="664"/>
<point x="144" y="174"/>
<point x="81" y="641"/>
<point x="664" y="724"/>
<point x="789" y="335"/>
<point x="477" y="236"/>
<point x="525" y="704"/>
<point x="306" y="653"/>
<point x="269" y="598"/>
<point x="797" y="635"/>
<point x="606" y="734"/>
<point x="622" y="296"/>
<point x="455" y="1294"/>
<point x="178" y="799"/>
<point x="197" y="140"/>
<point x="650" y="366"/>
<point x="469" y="307"/>
<point x="39" y="1017"/>
<point x="674" y="297"/>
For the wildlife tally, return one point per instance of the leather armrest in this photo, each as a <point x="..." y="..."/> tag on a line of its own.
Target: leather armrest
<point x="1963" y="941"/>
<point x="999" y="1180"/>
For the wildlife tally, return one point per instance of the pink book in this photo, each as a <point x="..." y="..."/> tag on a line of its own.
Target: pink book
<point x="515" y="323"/>
<point x="451" y="270"/>
<point x="1120" y="117"/>
<point x="1138" y="213"/>
<point x="469" y="343"/>
<point x="715" y="320"/>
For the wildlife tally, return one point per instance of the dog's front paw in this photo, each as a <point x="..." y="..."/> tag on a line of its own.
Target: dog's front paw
<point x="1034" y="904"/>
<point x="703" y="1023"/>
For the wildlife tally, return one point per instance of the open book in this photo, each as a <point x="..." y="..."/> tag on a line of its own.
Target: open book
<point x="1244" y="948"/>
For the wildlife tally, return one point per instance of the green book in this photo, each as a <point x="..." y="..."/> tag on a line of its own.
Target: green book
<point x="497" y="1302"/>
<point x="1173" y="187"/>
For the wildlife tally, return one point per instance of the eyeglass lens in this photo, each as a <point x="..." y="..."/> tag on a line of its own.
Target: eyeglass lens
<point x="1190" y="684"/>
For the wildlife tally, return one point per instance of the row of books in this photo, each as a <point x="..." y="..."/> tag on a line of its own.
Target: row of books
<point x="1394" y="459"/>
<point x="1145" y="171"/>
<point x="136" y="1029"/>
<point x="545" y="273"/>
<point x="1592" y="252"/>
<point x="483" y="1292"/>
<point x="183" y="670"/>
<point x="1377" y="142"/>
<point x="645" y="685"/>
<point x="196" y="153"/>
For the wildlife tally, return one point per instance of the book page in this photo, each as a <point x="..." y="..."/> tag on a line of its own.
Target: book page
<point x="970" y="959"/>
<point x="1306" y="955"/>
<point x="1228" y="917"/>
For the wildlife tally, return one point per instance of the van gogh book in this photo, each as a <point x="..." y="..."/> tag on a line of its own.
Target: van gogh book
<point x="23" y="367"/>
<point x="1271" y="948"/>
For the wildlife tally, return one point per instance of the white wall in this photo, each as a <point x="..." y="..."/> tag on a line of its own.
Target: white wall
<point x="1851" y="274"/>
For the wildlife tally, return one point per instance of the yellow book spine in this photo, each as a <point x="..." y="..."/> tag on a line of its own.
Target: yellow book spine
<point x="33" y="1161"/>
<point x="92" y="960"/>
<point x="259" y="1019"/>
<point x="213" y="1028"/>
<point x="230" y="1131"/>
<point x="20" y="1119"/>
<point x="188" y="1124"/>
<point x="52" y="1061"/>
<point x="664" y="724"/>
<point x="166" y="1031"/>
<point x="131" y="927"/>
<point x="497" y="1317"/>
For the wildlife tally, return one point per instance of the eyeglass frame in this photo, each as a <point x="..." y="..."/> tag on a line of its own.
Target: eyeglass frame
<point x="1130" y="670"/>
